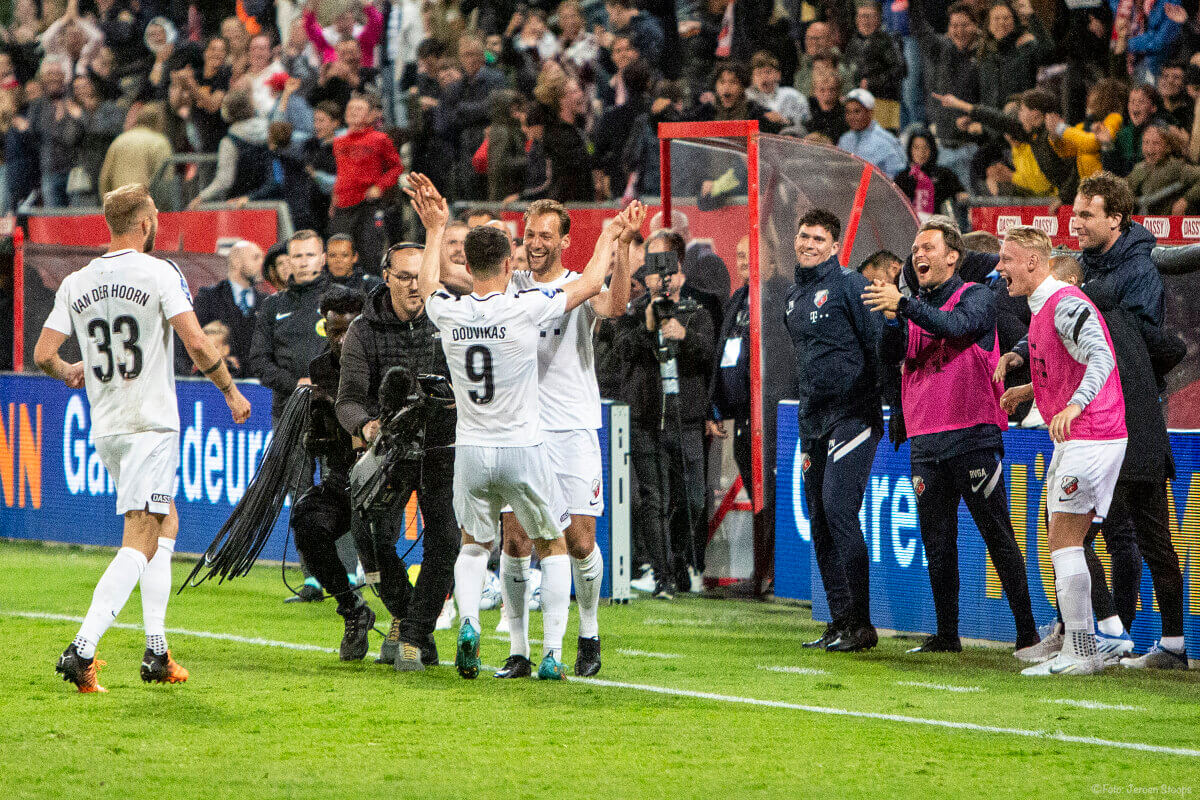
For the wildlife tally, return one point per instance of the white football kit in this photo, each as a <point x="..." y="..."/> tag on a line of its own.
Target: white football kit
<point x="118" y="306"/>
<point x="569" y="399"/>
<point x="491" y="345"/>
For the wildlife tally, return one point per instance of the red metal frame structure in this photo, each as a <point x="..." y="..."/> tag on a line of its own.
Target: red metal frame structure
<point x="747" y="130"/>
<point x="18" y="343"/>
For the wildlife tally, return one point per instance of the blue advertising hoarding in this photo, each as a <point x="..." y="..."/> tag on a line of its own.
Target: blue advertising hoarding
<point x="900" y="595"/>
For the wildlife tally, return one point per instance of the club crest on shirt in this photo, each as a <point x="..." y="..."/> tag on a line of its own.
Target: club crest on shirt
<point x="595" y="491"/>
<point x="805" y="462"/>
<point x="1069" y="484"/>
<point x="918" y="485"/>
<point x="820" y="297"/>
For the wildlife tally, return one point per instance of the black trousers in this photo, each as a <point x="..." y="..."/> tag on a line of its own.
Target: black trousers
<point x="764" y="521"/>
<point x="1138" y="527"/>
<point x="365" y="224"/>
<point x="978" y="478"/>
<point x="836" y="469"/>
<point x="321" y="519"/>
<point x="669" y="468"/>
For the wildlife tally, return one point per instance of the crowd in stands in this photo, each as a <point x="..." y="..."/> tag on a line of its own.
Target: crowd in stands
<point x="322" y="104"/>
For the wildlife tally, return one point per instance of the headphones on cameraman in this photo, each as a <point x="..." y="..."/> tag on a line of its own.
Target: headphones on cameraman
<point x="386" y="259"/>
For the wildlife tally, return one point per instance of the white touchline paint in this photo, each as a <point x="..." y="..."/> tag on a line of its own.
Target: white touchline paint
<point x="682" y="621"/>
<point x="499" y="638"/>
<point x="1093" y="705"/>
<point x="940" y="686"/>
<point x="721" y="698"/>
<point x="644" y="654"/>
<point x="794" y="670"/>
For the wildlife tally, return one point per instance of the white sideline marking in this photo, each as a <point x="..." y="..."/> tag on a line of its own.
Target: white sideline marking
<point x="795" y="670"/>
<point x="498" y="638"/>
<point x="1093" y="705"/>
<point x="682" y="621"/>
<point x="939" y="686"/>
<point x="722" y="698"/>
<point x="644" y="654"/>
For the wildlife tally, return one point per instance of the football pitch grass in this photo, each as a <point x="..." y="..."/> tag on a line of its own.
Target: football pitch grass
<point x="696" y="698"/>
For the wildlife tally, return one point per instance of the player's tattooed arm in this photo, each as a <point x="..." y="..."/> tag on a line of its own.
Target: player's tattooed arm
<point x="45" y="355"/>
<point x="431" y="207"/>
<point x="613" y="300"/>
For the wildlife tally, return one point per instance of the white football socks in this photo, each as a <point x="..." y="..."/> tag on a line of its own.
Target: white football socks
<point x="156" y="591"/>
<point x="1073" y="585"/>
<point x="112" y="590"/>
<point x="1111" y="626"/>
<point x="556" y="601"/>
<point x="1175" y="643"/>
<point x="470" y="569"/>
<point x="514" y="581"/>
<point x="588" y="573"/>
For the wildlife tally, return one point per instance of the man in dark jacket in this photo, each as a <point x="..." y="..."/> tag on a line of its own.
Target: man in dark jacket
<point x="234" y="300"/>
<point x="462" y="115"/>
<point x="668" y="427"/>
<point x="341" y="259"/>
<point x="876" y="63"/>
<point x="286" y="339"/>
<point x="394" y="331"/>
<point x="841" y="421"/>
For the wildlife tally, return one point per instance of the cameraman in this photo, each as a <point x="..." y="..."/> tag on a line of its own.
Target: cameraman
<point x="666" y="332"/>
<point x="394" y="331"/>
<point x="322" y="514"/>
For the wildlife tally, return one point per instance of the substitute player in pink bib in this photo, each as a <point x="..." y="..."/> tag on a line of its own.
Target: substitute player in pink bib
<point x="1077" y="387"/>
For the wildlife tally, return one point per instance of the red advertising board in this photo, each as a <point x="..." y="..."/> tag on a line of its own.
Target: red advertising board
<point x="187" y="231"/>
<point x="998" y="219"/>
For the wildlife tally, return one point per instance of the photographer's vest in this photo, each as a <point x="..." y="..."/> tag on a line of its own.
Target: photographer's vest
<point x="946" y="384"/>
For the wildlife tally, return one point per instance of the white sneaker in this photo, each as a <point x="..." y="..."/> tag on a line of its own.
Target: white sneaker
<point x="1067" y="664"/>
<point x="1159" y="657"/>
<point x="645" y="583"/>
<point x="502" y="626"/>
<point x="1050" y="645"/>
<point x="1113" y="648"/>
<point x="445" y="620"/>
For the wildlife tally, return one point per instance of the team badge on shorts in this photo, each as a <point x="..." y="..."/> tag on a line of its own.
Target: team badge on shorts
<point x="820" y="298"/>
<point x="918" y="485"/>
<point x="1069" y="484"/>
<point x="805" y="462"/>
<point x="595" y="493"/>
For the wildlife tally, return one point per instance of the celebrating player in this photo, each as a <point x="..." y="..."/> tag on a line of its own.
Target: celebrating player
<point x="490" y="339"/>
<point x="569" y="403"/>
<point x="119" y="307"/>
<point x="1077" y="387"/>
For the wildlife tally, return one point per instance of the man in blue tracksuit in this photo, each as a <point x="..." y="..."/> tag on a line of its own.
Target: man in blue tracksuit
<point x="835" y="338"/>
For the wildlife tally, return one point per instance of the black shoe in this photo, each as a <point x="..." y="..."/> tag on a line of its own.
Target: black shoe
<point x="938" y="644"/>
<point x="515" y="667"/>
<point x="854" y="641"/>
<point x="587" y="657"/>
<point x="1027" y="639"/>
<point x="359" y="621"/>
<point x="429" y="653"/>
<point x="830" y="634"/>
<point x="663" y="591"/>
<point x="307" y="594"/>
<point x="78" y="670"/>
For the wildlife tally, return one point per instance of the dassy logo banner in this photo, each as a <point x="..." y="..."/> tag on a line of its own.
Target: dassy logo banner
<point x="53" y="485"/>
<point x="900" y="593"/>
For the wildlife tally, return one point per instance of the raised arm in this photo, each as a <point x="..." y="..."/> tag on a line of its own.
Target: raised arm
<point x="434" y="213"/>
<point x="592" y="280"/>
<point x="612" y="301"/>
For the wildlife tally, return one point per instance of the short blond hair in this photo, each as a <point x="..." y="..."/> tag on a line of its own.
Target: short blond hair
<point x="123" y="207"/>
<point x="1030" y="238"/>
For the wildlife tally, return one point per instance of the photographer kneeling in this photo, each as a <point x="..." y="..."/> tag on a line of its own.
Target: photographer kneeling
<point x="666" y="339"/>
<point x="394" y="331"/>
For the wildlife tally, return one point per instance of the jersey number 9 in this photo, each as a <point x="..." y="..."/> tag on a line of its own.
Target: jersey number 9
<point x="479" y="369"/>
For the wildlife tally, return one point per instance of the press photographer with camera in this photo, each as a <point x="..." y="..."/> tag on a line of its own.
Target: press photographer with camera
<point x="394" y="331"/>
<point x="667" y="342"/>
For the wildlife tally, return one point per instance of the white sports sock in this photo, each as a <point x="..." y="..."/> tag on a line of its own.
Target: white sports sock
<point x="1175" y="643"/>
<point x="112" y="590"/>
<point x="556" y="602"/>
<point x="469" y="572"/>
<point x="1111" y="626"/>
<point x="588" y="573"/>
<point x="156" y="591"/>
<point x="514" y="581"/>
<point x="1073" y="585"/>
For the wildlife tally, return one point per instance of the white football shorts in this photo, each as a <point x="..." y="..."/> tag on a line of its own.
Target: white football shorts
<point x="488" y="478"/>
<point x="1082" y="476"/>
<point x="575" y="461"/>
<point x="142" y="466"/>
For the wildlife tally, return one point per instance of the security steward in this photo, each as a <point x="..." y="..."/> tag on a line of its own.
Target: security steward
<point x="394" y="331"/>
<point x="835" y="340"/>
<point x="946" y="343"/>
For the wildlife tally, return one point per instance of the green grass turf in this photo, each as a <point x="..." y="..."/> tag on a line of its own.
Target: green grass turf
<point x="262" y="722"/>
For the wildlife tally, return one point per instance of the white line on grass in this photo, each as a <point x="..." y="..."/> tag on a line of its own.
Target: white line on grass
<point x="684" y="621"/>
<point x="942" y="687"/>
<point x="721" y="698"/>
<point x="1093" y="705"/>
<point x="644" y="654"/>
<point x="794" y="670"/>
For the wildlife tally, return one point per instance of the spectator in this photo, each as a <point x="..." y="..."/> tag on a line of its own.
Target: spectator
<point x="578" y="46"/>
<point x="876" y="62"/>
<point x="506" y="159"/>
<point x="290" y="106"/>
<point x="786" y="107"/>
<point x="367" y="35"/>
<point x="47" y="116"/>
<point x="1008" y="57"/>
<point x="260" y="66"/>
<point x="277" y="269"/>
<point x="1088" y="30"/>
<point x="243" y="159"/>
<point x="478" y="217"/>
<point x="1118" y="154"/>
<point x="820" y="52"/>
<point x="568" y="164"/>
<point x="403" y="33"/>
<point x="622" y="148"/>
<point x="1176" y="103"/>
<point x="71" y="40"/>
<point x="93" y="125"/>
<point x="827" y="115"/>
<point x="932" y="189"/>
<point x="729" y="99"/>
<point x="1144" y="31"/>
<point x="238" y="38"/>
<point x="233" y="301"/>
<point x="866" y="139"/>
<point x="528" y="43"/>
<point x="137" y="155"/>
<point x="1162" y="181"/>
<point x="1105" y="101"/>
<point x="205" y="94"/>
<point x="341" y="259"/>
<point x="643" y="30"/>
<point x="882" y="265"/>
<point x="287" y="179"/>
<point x="367" y="166"/>
<point x="613" y="91"/>
<point x="462" y="115"/>
<point x="318" y="156"/>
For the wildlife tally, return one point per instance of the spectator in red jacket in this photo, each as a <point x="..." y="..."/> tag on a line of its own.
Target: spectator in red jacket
<point x="367" y="166"/>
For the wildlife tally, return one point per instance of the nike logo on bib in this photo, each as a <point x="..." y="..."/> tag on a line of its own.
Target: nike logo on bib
<point x="282" y="316"/>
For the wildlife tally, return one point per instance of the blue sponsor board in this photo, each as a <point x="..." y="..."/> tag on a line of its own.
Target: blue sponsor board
<point x="900" y="595"/>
